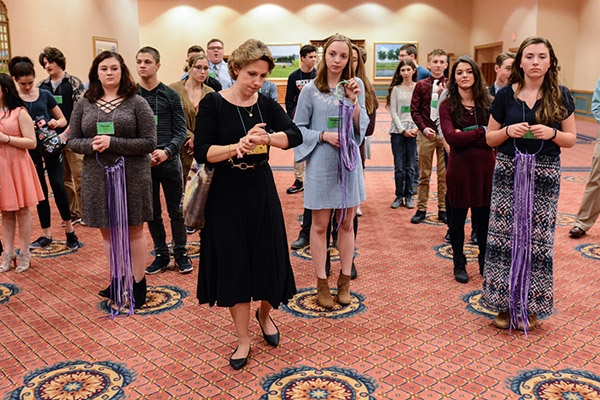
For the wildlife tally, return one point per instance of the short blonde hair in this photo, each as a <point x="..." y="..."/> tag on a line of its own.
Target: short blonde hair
<point x="248" y="52"/>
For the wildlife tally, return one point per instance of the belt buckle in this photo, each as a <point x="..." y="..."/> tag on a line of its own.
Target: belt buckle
<point x="244" y="166"/>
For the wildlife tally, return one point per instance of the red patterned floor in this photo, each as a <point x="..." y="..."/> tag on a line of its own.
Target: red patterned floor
<point x="410" y="334"/>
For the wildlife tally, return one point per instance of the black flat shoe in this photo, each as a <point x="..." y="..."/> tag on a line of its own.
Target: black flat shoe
<point x="273" y="339"/>
<point x="239" y="363"/>
<point x="105" y="292"/>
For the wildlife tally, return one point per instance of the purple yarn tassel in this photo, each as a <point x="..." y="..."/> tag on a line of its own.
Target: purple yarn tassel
<point x="121" y="272"/>
<point x="521" y="236"/>
<point x="348" y="153"/>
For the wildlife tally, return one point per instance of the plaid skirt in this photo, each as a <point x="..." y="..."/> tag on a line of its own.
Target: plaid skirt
<point x="495" y="294"/>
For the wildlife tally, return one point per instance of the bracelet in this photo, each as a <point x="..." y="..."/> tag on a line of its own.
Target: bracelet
<point x="507" y="131"/>
<point x="269" y="139"/>
<point x="321" y="136"/>
<point x="554" y="136"/>
<point x="8" y="139"/>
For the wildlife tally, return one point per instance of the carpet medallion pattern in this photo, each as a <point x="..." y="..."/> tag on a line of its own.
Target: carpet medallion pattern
<point x="304" y="304"/>
<point x="445" y="250"/>
<point x="7" y="290"/>
<point x="55" y="249"/>
<point x="567" y="384"/>
<point x="590" y="250"/>
<point x="159" y="299"/>
<point x="75" y="380"/>
<point x="331" y="383"/>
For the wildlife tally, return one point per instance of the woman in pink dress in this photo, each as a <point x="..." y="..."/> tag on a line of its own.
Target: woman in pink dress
<point x="19" y="184"/>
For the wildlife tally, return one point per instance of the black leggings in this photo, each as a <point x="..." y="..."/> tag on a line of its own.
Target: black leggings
<point x="53" y="165"/>
<point x="480" y="217"/>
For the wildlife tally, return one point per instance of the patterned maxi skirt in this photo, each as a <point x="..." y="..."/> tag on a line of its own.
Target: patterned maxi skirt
<point x="495" y="294"/>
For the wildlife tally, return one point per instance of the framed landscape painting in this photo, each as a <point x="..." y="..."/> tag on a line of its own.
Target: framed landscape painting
<point x="385" y="58"/>
<point x="102" y="44"/>
<point x="287" y="59"/>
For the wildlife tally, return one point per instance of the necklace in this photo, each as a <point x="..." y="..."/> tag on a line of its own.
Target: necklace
<point x="250" y="113"/>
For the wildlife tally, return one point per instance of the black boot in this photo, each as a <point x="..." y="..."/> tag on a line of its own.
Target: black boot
<point x="460" y="269"/>
<point x="139" y="293"/>
<point x="106" y="292"/>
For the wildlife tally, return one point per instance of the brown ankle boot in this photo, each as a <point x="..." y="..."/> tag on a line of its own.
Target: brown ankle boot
<point x="343" y="295"/>
<point x="502" y="320"/>
<point x="324" y="298"/>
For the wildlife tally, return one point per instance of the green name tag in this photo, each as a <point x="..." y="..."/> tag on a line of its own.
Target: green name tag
<point x="211" y="74"/>
<point x="105" y="128"/>
<point x="332" y="122"/>
<point x="470" y="128"/>
<point x="58" y="98"/>
<point x="528" y="135"/>
<point x="433" y="104"/>
<point x="405" y="109"/>
<point x="156" y="119"/>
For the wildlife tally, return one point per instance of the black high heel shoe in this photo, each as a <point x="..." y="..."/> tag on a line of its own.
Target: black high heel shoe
<point x="273" y="339"/>
<point x="239" y="363"/>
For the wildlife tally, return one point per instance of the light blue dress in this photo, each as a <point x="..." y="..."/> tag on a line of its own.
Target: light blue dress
<point x="321" y="184"/>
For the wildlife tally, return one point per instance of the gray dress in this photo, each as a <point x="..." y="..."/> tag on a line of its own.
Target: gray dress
<point x="321" y="185"/>
<point x="134" y="139"/>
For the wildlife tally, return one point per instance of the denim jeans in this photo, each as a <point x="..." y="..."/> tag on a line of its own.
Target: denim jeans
<point x="404" y="150"/>
<point x="169" y="176"/>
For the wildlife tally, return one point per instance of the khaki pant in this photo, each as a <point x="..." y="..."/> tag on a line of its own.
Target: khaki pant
<point x="590" y="204"/>
<point x="425" y="149"/>
<point x="299" y="171"/>
<point x="72" y="164"/>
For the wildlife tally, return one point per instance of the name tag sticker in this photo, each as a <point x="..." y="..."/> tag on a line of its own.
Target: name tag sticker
<point x="332" y="122"/>
<point x="405" y="109"/>
<point x="528" y="135"/>
<point x="156" y="119"/>
<point x="433" y="104"/>
<point x="470" y="128"/>
<point x="58" y="98"/>
<point x="259" y="149"/>
<point x="105" y="128"/>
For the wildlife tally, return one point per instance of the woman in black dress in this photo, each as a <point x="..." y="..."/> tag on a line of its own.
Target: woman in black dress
<point x="243" y="251"/>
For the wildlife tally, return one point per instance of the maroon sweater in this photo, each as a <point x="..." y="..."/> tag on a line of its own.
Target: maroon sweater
<point x="420" y="105"/>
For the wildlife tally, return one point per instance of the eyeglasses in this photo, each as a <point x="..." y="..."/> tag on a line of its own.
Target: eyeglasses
<point x="198" y="67"/>
<point x="215" y="48"/>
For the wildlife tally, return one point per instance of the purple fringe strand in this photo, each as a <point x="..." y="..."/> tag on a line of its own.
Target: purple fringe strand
<point x="348" y="153"/>
<point x="521" y="236"/>
<point x="121" y="272"/>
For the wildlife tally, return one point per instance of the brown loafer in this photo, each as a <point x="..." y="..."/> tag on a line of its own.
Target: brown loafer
<point x="532" y="323"/>
<point x="576" y="232"/>
<point x="502" y="320"/>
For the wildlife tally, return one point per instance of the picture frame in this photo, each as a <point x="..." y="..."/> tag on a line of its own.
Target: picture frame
<point x="385" y="58"/>
<point x="102" y="44"/>
<point x="287" y="59"/>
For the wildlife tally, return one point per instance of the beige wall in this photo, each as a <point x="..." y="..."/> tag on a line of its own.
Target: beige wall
<point x="500" y="21"/>
<point x="586" y="63"/>
<point x="172" y="28"/>
<point x="70" y="25"/>
<point x="457" y="26"/>
<point x="571" y="26"/>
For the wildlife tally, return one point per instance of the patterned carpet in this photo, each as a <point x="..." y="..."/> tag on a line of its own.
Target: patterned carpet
<point x="410" y="331"/>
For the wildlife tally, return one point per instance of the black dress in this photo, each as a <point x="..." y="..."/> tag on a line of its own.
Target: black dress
<point x="244" y="251"/>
